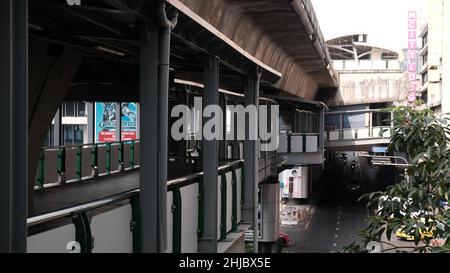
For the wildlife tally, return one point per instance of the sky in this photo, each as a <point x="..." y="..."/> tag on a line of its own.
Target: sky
<point x="384" y="20"/>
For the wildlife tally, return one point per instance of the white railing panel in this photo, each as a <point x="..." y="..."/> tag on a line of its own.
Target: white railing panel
<point x="363" y="133"/>
<point x="51" y="241"/>
<point x="338" y="65"/>
<point x="241" y="150"/>
<point x="111" y="231"/>
<point x="239" y="193"/>
<point x="393" y="65"/>
<point x="349" y="134"/>
<point x="296" y="144"/>
<point x="311" y="144"/>
<point x="219" y="202"/>
<point x="334" y="135"/>
<point x="283" y="144"/>
<point x="377" y="131"/>
<point x="189" y="218"/>
<point x="229" y="177"/>
<point x="169" y="222"/>
<point x="229" y="151"/>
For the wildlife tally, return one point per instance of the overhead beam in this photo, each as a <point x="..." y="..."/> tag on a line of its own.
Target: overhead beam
<point x="97" y="20"/>
<point x="132" y="10"/>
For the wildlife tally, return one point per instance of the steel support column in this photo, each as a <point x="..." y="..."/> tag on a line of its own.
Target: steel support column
<point x="148" y="175"/>
<point x="91" y="121"/>
<point x="138" y="120"/>
<point x="118" y="121"/>
<point x="14" y="118"/>
<point x="163" y="133"/>
<point x="321" y="131"/>
<point x="208" y="243"/>
<point x="250" y="207"/>
<point x="57" y="128"/>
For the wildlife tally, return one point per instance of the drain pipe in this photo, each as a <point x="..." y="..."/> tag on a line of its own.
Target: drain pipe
<point x="165" y="27"/>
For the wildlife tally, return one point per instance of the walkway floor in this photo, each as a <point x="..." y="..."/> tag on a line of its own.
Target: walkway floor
<point x="75" y="193"/>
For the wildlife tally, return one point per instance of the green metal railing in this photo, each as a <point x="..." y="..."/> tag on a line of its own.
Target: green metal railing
<point x="80" y="151"/>
<point x="175" y="186"/>
<point x="81" y="220"/>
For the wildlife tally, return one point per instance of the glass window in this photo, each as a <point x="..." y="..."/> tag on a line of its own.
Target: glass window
<point x="81" y="109"/>
<point x="69" y="109"/>
<point x="48" y="141"/>
<point x="68" y="134"/>
<point x="78" y="134"/>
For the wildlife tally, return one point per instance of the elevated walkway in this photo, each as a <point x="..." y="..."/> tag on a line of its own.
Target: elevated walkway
<point x="73" y="194"/>
<point x="357" y="138"/>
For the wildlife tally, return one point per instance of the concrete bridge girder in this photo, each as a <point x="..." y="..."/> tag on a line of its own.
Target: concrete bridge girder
<point x="240" y="20"/>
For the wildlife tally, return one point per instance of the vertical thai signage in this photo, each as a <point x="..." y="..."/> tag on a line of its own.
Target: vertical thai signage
<point x="412" y="55"/>
<point x="129" y="115"/>
<point x="105" y="121"/>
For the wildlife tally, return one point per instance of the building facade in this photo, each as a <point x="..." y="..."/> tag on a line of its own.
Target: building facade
<point x="435" y="57"/>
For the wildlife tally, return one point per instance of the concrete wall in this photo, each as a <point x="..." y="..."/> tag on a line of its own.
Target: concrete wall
<point x="438" y="55"/>
<point x="446" y="60"/>
<point x="361" y="87"/>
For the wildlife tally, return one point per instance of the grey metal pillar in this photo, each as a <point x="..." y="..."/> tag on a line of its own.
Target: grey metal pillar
<point x="250" y="206"/>
<point x="148" y="174"/>
<point x="14" y="118"/>
<point x="270" y="211"/>
<point x="208" y="243"/>
<point x="90" y="121"/>
<point x="118" y="121"/>
<point x="138" y="120"/>
<point x="321" y="131"/>
<point x="57" y="128"/>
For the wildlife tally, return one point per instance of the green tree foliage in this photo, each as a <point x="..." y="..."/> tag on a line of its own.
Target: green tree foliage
<point x="418" y="202"/>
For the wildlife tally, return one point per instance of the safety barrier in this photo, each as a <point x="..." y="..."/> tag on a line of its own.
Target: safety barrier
<point x="299" y="143"/>
<point x="58" y="165"/>
<point x="113" y="224"/>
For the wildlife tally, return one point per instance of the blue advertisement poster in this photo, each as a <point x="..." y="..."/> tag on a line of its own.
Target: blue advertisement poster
<point x="105" y="121"/>
<point x="129" y="115"/>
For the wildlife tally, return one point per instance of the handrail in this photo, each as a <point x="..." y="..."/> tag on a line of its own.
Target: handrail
<point x="71" y="146"/>
<point x="301" y="134"/>
<point x="180" y="182"/>
<point x="192" y="178"/>
<point x="358" y="112"/>
<point x="80" y="150"/>
<point x="83" y="207"/>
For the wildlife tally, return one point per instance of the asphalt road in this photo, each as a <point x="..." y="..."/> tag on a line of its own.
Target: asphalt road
<point x="335" y="219"/>
<point x="329" y="228"/>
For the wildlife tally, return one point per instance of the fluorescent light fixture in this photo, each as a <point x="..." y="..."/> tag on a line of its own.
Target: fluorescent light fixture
<point x="111" y="51"/>
<point x="35" y="27"/>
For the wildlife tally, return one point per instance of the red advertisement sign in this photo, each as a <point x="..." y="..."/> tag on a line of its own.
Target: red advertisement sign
<point x="107" y="136"/>
<point x="128" y="135"/>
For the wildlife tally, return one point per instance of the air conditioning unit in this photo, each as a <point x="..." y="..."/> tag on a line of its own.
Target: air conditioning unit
<point x="434" y="74"/>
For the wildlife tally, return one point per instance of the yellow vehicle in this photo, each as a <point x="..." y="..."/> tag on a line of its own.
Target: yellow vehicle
<point x="401" y="234"/>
